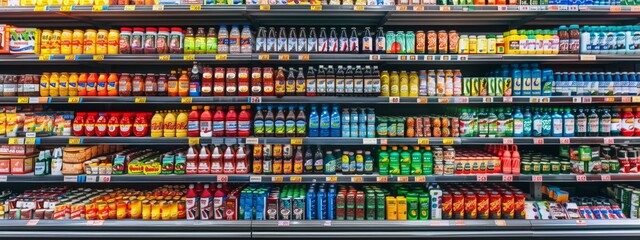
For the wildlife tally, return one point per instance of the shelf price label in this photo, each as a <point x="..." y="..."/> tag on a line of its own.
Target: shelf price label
<point x="420" y="179"/>
<point x="74" y="100"/>
<point x="16" y="141"/>
<point x="140" y="100"/>
<point x="538" y="140"/>
<point x="33" y="222"/>
<point x="332" y="179"/>
<point x="507" y="178"/>
<point x="586" y="99"/>
<point x="66" y="8"/>
<point x="195" y="7"/>
<point x="255" y="99"/>
<point x="356" y="179"/>
<point x="418" y="8"/>
<point x="443" y="100"/>
<point x="106" y="178"/>
<point x="44" y="57"/>
<point x="507" y="141"/>
<point x="501" y="223"/>
<point x="605" y="178"/>
<point x="3" y="178"/>
<point x="615" y="9"/>
<point x="221" y="57"/>
<point x="98" y="8"/>
<point x="222" y="178"/>
<point x="626" y="99"/>
<point x="374" y="57"/>
<point x="189" y="57"/>
<point x="69" y="57"/>
<point x="194" y="141"/>
<point x="401" y="8"/>
<point x="98" y="57"/>
<point x="609" y="141"/>
<point x="157" y="8"/>
<point x="70" y="179"/>
<point x="186" y="100"/>
<point x="283" y="223"/>
<point x="369" y="141"/>
<point x="565" y="141"/>
<point x="358" y="8"/>
<point x="487" y="99"/>
<point x="422" y="100"/>
<point x="481" y="178"/>
<point x="263" y="57"/>
<point x="91" y="178"/>
<point x="296" y="141"/>
<point x="283" y="57"/>
<point x="403" y="179"/>
<point x="251" y="141"/>
<point x="277" y="179"/>
<point x="303" y="57"/>
<point x="394" y="99"/>
<point x="383" y="141"/>
<point x="129" y="7"/>
<point x="465" y="100"/>
<point x="255" y="179"/>
<point x="41" y="8"/>
<point x="423" y="141"/>
<point x="30" y="141"/>
<point x="587" y="57"/>
<point x="445" y="8"/>
<point x="265" y="7"/>
<point x="577" y="99"/>
<point x="164" y="57"/>
<point x="75" y="141"/>
<point x="635" y="99"/>
<point x="23" y="100"/>
<point x="382" y="179"/>
<point x="316" y="7"/>
<point x="295" y="179"/>
<point x="448" y="141"/>
<point x="581" y="178"/>
<point x="609" y="99"/>
<point x="507" y="99"/>
<point x="536" y="178"/>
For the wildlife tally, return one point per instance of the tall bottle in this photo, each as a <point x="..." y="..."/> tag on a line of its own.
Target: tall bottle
<point x="234" y="39"/>
<point x="282" y="40"/>
<point x="314" y="122"/>
<point x="223" y="40"/>
<point x="616" y="124"/>
<point x="301" y="123"/>
<point x="229" y="161"/>
<point x="593" y="123"/>
<point x="216" y="160"/>
<point x="335" y="122"/>
<point x="194" y="81"/>
<point x="313" y="41"/>
<point x="258" y="123"/>
<point x="318" y="163"/>
<point x="321" y="82"/>
<point x="311" y="83"/>
<point x="330" y="81"/>
<point x="300" y="82"/>
<point x="244" y="122"/>
<point x="343" y="41"/>
<point x="290" y="123"/>
<point x="569" y="124"/>
<point x="261" y="40"/>
<point x="367" y="41"/>
<point x="308" y="161"/>
<point x="547" y="124"/>
<point x="581" y="124"/>
<point x="246" y="40"/>
<point x="536" y="129"/>
<point x="201" y="41"/>
<point x="332" y="41"/>
<point x="605" y="123"/>
<point x="302" y="41"/>
<point x="242" y="160"/>
<point x="269" y="123"/>
<point x="527" y="122"/>
<point x="218" y="122"/>
<point x="298" y="161"/>
<point x="205" y="123"/>
<point x="325" y="122"/>
<point x="280" y="83"/>
<point x="292" y="41"/>
<point x="272" y="41"/>
<point x="518" y="124"/>
<point x="380" y="41"/>
<point x="183" y="85"/>
<point x="290" y="84"/>
<point x="279" y="123"/>
<point x="231" y="123"/>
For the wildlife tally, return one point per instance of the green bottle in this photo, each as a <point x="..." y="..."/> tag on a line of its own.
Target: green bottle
<point x="383" y="161"/>
<point x="405" y="161"/>
<point x="508" y="131"/>
<point x="416" y="161"/>
<point x="427" y="161"/>
<point x="329" y="163"/>
<point x="368" y="163"/>
<point x="413" y="206"/>
<point x="492" y="121"/>
<point x="483" y="123"/>
<point x="394" y="161"/>
<point x="424" y="202"/>
<point x="501" y="124"/>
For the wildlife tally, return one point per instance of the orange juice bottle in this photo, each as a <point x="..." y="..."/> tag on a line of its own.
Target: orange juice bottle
<point x="112" y="85"/>
<point x="82" y="84"/>
<point x="53" y="84"/>
<point x="101" y="87"/>
<point x="44" y="84"/>
<point x="91" y="84"/>
<point x="73" y="84"/>
<point x="63" y="84"/>
<point x="183" y="85"/>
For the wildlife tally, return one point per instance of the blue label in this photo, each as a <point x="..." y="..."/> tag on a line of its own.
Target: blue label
<point x="231" y="125"/>
<point x="280" y="128"/>
<point x="302" y="44"/>
<point x="72" y="84"/>
<point x="325" y="122"/>
<point x="193" y="126"/>
<point x="244" y="125"/>
<point x="312" y="45"/>
<point x="218" y="126"/>
<point x="313" y="123"/>
<point x="261" y="44"/>
<point x="335" y="121"/>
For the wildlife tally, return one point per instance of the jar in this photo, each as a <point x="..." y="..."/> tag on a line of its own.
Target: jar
<point x="113" y="41"/>
<point x="491" y="44"/>
<point x="500" y="44"/>
<point x="55" y="42"/>
<point x="482" y="44"/>
<point x="574" y="39"/>
<point x="162" y="40"/>
<point x="563" y="35"/>
<point x="65" y="41"/>
<point x="101" y="41"/>
<point x="150" y="85"/>
<point x="176" y="39"/>
<point x="124" y="42"/>
<point x="150" y="40"/>
<point x="124" y="85"/>
<point x="137" y="40"/>
<point x="137" y="85"/>
<point x="90" y="37"/>
<point x="463" y="44"/>
<point x="77" y="41"/>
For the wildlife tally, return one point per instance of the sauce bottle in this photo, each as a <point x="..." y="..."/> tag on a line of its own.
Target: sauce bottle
<point x="183" y="85"/>
<point x="257" y="159"/>
<point x="189" y="42"/>
<point x="218" y="82"/>
<point x="243" y="81"/>
<point x="73" y="84"/>
<point x="267" y="159"/>
<point x="218" y="122"/>
<point x="157" y="124"/>
<point x="191" y="168"/>
<point x="124" y="85"/>
<point x="268" y="83"/>
<point x="63" y="84"/>
<point x="137" y="85"/>
<point x="216" y="161"/>
<point x="279" y="123"/>
<point x="301" y="123"/>
<point x="269" y="124"/>
<point x="231" y="122"/>
<point x="169" y="129"/>
<point x="78" y="124"/>
<point x="258" y="123"/>
<point x="277" y="159"/>
<point x="150" y="85"/>
<point x="90" y="124"/>
<point x="290" y="123"/>
<point x="301" y="83"/>
<point x="280" y="83"/>
<point x="287" y="159"/>
<point x="91" y="85"/>
<point x="113" y="124"/>
<point x="311" y="83"/>
<point x="244" y="122"/>
<point x="231" y="82"/>
<point x="194" y="81"/>
<point x="172" y="85"/>
<point x="290" y="84"/>
<point x="229" y="164"/>
<point x="205" y="129"/>
<point x="101" y="86"/>
<point x="207" y="81"/>
<point x="242" y="160"/>
<point x="162" y="85"/>
<point x="204" y="160"/>
<point x="298" y="161"/>
<point x="112" y="85"/>
<point x="256" y="81"/>
<point x="181" y="124"/>
<point x="125" y="124"/>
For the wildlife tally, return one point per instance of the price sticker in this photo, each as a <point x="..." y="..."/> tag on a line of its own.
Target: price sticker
<point x="30" y="141"/>
<point x="74" y="100"/>
<point x="507" y="141"/>
<point x="140" y="100"/>
<point x="401" y="8"/>
<point x="634" y="9"/>
<point x="23" y="100"/>
<point x="40" y="8"/>
<point x="403" y="179"/>
<point x="195" y="7"/>
<point x="70" y="179"/>
<point x="296" y="141"/>
<point x="303" y="57"/>
<point x="69" y="57"/>
<point x="459" y="222"/>
<point x="586" y="99"/>
<point x="635" y="99"/>
<point x="265" y="7"/>
<point x="66" y="8"/>
<point x="445" y="58"/>
<point x="221" y="57"/>
<point x="422" y="100"/>
<point x="501" y="223"/>
<point x="295" y="179"/>
<point x="91" y="178"/>
<point x="423" y="141"/>
<point x="413" y="57"/>
<point x="445" y="8"/>
<point x="3" y="178"/>
<point x="605" y="178"/>
<point x="189" y="57"/>
<point x="420" y="179"/>
<point x="104" y="179"/>
<point x="545" y="100"/>
<point x="615" y="9"/>
<point x="609" y="140"/>
<point x="255" y="99"/>
<point x="577" y="99"/>
<point x="98" y="57"/>
<point x="44" y="57"/>
<point x="481" y="178"/>
<point x="97" y="222"/>
<point x="443" y="100"/>
<point x="327" y="223"/>
<point x="382" y="179"/>
<point x="356" y="179"/>
<point x="536" y="178"/>
<point x="16" y="141"/>
<point x="403" y="58"/>
<point x="438" y="223"/>
<point x="358" y="8"/>
<point x="33" y="222"/>
<point x="252" y="141"/>
<point x="581" y="222"/>
<point x="429" y="57"/>
<point x="507" y="99"/>
<point x="610" y="99"/>
<point x="157" y="8"/>
<point x="487" y="99"/>
<point x="277" y="179"/>
<point x="164" y="57"/>
<point x="534" y="100"/>
<point x="331" y="179"/>
<point x="283" y="223"/>
<point x="538" y="140"/>
<point x="186" y="100"/>
<point x="587" y="57"/>
<point x="626" y="99"/>
<point x="383" y="141"/>
<point x="507" y="178"/>
<point x="394" y="99"/>
<point x="316" y="7"/>
<point x="374" y="57"/>
<point x="447" y="141"/>
<point x="194" y="141"/>
<point x="222" y="178"/>
<point x="369" y="141"/>
<point x="98" y="8"/>
<point x="283" y="57"/>
<point x="75" y="141"/>
<point x="581" y="178"/>
<point x="418" y="8"/>
<point x="129" y="7"/>
<point x="255" y="179"/>
<point x="263" y="57"/>
<point x="463" y="100"/>
<point x="565" y="141"/>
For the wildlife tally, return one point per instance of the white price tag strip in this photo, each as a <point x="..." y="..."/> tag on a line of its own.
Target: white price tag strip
<point x="252" y="141"/>
<point x="507" y="178"/>
<point x="3" y="178"/>
<point x="481" y="178"/>
<point x="104" y="179"/>
<point x="581" y="178"/>
<point x="91" y="178"/>
<point x="605" y="178"/>
<point x="369" y="141"/>
<point x="255" y="179"/>
<point x="283" y="223"/>
<point x="70" y="179"/>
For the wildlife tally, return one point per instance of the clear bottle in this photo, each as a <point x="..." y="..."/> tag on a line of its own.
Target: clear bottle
<point x="234" y="39"/>
<point x="292" y="41"/>
<point x="246" y="40"/>
<point x="302" y="41"/>
<point x="261" y="40"/>
<point x="223" y="40"/>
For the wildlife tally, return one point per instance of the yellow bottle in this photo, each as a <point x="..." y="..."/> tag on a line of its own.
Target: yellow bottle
<point x="522" y="35"/>
<point x="473" y="44"/>
<point x="414" y="82"/>
<point x="404" y="84"/>
<point x="157" y="124"/>
<point x="181" y="124"/>
<point x="63" y="86"/>
<point x="546" y="42"/>
<point x="384" y="84"/>
<point x="513" y="42"/>
<point x="73" y="84"/>
<point x="394" y="83"/>
<point x="44" y="84"/>
<point x="539" y="41"/>
<point x="392" y="208"/>
<point x="402" y="208"/>
<point x="53" y="84"/>
<point x="169" y="125"/>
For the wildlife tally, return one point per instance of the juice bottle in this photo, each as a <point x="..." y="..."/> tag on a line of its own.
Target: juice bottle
<point x="169" y="129"/>
<point x="290" y="123"/>
<point x="384" y="84"/>
<point x="44" y="84"/>
<point x="311" y="82"/>
<point x="301" y="123"/>
<point x="290" y="84"/>
<point x="287" y="160"/>
<point x="280" y="83"/>
<point x="301" y="83"/>
<point x="314" y="122"/>
<point x="243" y="81"/>
<point x="231" y="82"/>
<point x="63" y="84"/>
<point x="258" y="123"/>
<point x="193" y="122"/>
<point x="244" y="122"/>
<point x="218" y="82"/>
<point x="205" y="129"/>
<point x="204" y="160"/>
<point x="161" y="84"/>
<point x="277" y="160"/>
<point x="413" y="84"/>
<point x="82" y="84"/>
<point x="229" y="163"/>
<point x="280" y="129"/>
<point x="73" y="84"/>
<point x="101" y="86"/>
<point x="112" y="85"/>
<point x="206" y="203"/>
<point x="218" y="122"/>
<point x="192" y="200"/>
<point x="394" y="84"/>
<point x="157" y="124"/>
<point x="216" y="161"/>
<point x="513" y="41"/>
<point x="181" y="124"/>
<point x="231" y="123"/>
<point x="137" y="85"/>
<point x="189" y="42"/>
<point x="183" y="84"/>
<point x="325" y="122"/>
<point x="172" y="84"/>
<point x="298" y="161"/>
<point x="242" y="160"/>
<point x="53" y="84"/>
<point x="268" y="83"/>
<point x="92" y="79"/>
<point x="269" y="123"/>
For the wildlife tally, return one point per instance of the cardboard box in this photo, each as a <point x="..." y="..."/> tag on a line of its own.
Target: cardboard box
<point x="4" y="38"/>
<point x="22" y="165"/>
<point x="24" y="40"/>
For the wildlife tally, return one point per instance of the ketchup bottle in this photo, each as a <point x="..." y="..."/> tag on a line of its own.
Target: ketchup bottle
<point x="231" y="82"/>
<point x="193" y="124"/>
<point x="268" y="83"/>
<point x="126" y="123"/>
<point x="244" y="122"/>
<point x="636" y="123"/>
<point x="506" y="160"/>
<point x="78" y="124"/>
<point x="216" y="161"/>
<point x="113" y="125"/>
<point x="243" y="81"/>
<point x="627" y="122"/>
<point x="515" y="160"/>
<point x="90" y="124"/>
<point x="229" y="164"/>
<point x="141" y="125"/>
<point x="256" y="81"/>
<point x="218" y="122"/>
<point x="101" y="124"/>
<point x="207" y="81"/>
<point x="231" y="123"/>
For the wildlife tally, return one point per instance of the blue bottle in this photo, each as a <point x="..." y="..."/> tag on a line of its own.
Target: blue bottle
<point x="581" y="85"/>
<point x="617" y="84"/>
<point x="569" y="123"/>
<point x="526" y="122"/>
<point x="312" y="203"/>
<point x="335" y="122"/>
<point x="516" y="76"/>
<point x="314" y="122"/>
<point x="345" y="123"/>
<point x="573" y="85"/>
<point x="626" y="84"/>
<point x="566" y="84"/>
<point x="556" y="91"/>
<point x="322" y="203"/>
<point x="518" y="123"/>
<point x="633" y="84"/>
<point x="588" y="85"/>
<point x="354" y="122"/>
<point x="536" y="80"/>
<point x="557" y="122"/>
<point x="547" y="124"/>
<point x="325" y="122"/>
<point x="536" y="129"/>
<point x="526" y="80"/>
<point x="371" y="123"/>
<point x="608" y="78"/>
<point x="331" y="203"/>
<point x="362" y="123"/>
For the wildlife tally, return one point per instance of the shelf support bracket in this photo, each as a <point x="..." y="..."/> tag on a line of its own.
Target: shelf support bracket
<point x="384" y="19"/>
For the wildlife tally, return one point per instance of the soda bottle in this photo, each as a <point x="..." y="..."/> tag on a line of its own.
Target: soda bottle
<point x="258" y="123"/>
<point x="311" y="82"/>
<point x="246" y="43"/>
<point x="325" y="122"/>
<point x="302" y="41"/>
<point x="354" y="42"/>
<point x="343" y="41"/>
<point x="272" y="41"/>
<point x="261" y="40"/>
<point x="308" y="161"/>
<point x="348" y="81"/>
<point x="367" y="41"/>
<point x="314" y="122"/>
<point x="292" y="42"/>
<point x="282" y="40"/>
<point x="318" y="163"/>
<point x="300" y="82"/>
<point x="223" y="40"/>
<point x="333" y="43"/>
<point x="313" y="41"/>
<point x="301" y="123"/>
<point x="269" y="124"/>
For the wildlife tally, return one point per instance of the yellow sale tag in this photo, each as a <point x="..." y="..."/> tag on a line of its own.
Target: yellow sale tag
<point x="98" y="57"/>
<point x="403" y="179"/>
<point x="40" y="8"/>
<point x="189" y="57"/>
<point x="97" y="8"/>
<point x="69" y="57"/>
<point x="283" y="57"/>
<point x="129" y="7"/>
<point x="332" y="179"/>
<point x="23" y="100"/>
<point x="382" y="179"/>
<point x="358" y="8"/>
<point x="401" y="8"/>
<point x="75" y="141"/>
<point x="295" y="179"/>
<point x="420" y="179"/>
<point x="73" y="100"/>
<point x="263" y="57"/>
<point x="14" y="141"/>
<point x="186" y="100"/>
<point x="194" y="141"/>
<point x="296" y="141"/>
<point x="265" y="7"/>
<point x="356" y="179"/>
<point x="140" y="100"/>
<point x="635" y="99"/>
<point x="277" y="179"/>
<point x="195" y="7"/>
<point x="164" y="57"/>
<point x="221" y="57"/>
<point x="447" y="141"/>
<point x="304" y="57"/>
<point x="423" y="141"/>
<point x="316" y="7"/>
<point x="66" y="8"/>
<point x="45" y="57"/>
<point x="30" y="141"/>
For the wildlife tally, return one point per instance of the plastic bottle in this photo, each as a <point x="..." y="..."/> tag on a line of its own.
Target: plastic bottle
<point x="547" y="124"/>
<point x="242" y="160"/>
<point x="290" y="122"/>
<point x="216" y="161"/>
<point x="318" y="161"/>
<point x="301" y="123"/>
<point x="636" y="124"/>
<point x="313" y="41"/>
<point x="204" y="160"/>
<point x="302" y="41"/>
<point x="246" y="40"/>
<point x="203" y="122"/>
<point x="206" y="204"/>
<point x="593" y="124"/>
<point x="223" y="40"/>
<point x="329" y="163"/>
<point x="616" y="122"/>
<point x="244" y="122"/>
<point x="218" y="123"/>
<point x="314" y="122"/>
<point x="585" y="40"/>
<point x="518" y="124"/>
<point x="192" y="203"/>
<point x="335" y="122"/>
<point x="229" y="163"/>
<point x="182" y="120"/>
<point x="325" y="122"/>
<point x="280" y="128"/>
<point x="517" y="78"/>
<point x="269" y="123"/>
<point x="580" y="124"/>
<point x="568" y="124"/>
<point x="218" y="202"/>
<point x="258" y="123"/>
<point x="292" y="41"/>
<point x="404" y="84"/>
<point x="183" y="85"/>
<point x="605" y="123"/>
<point x="231" y="123"/>
<point x="211" y="41"/>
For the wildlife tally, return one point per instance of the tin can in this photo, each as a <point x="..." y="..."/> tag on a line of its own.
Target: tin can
<point x="65" y="41"/>
<point x="470" y="206"/>
<point x="90" y="210"/>
<point x="555" y="167"/>
<point x="453" y="41"/>
<point x="443" y="42"/>
<point x="432" y="42"/>
<point x="421" y="38"/>
<point x="447" y="205"/>
<point x="519" y="206"/>
<point x="545" y="167"/>
<point x="89" y="44"/>
<point x="458" y="207"/>
<point x="483" y="205"/>
<point x="495" y="205"/>
<point x="508" y="205"/>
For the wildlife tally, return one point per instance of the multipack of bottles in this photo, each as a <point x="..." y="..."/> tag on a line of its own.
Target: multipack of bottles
<point x="610" y="40"/>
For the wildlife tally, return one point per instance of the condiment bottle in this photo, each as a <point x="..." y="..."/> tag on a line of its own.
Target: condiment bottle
<point x="124" y="85"/>
<point x="231" y="82"/>
<point x="126" y="124"/>
<point x="268" y="82"/>
<point x="101" y="125"/>
<point x="101" y="86"/>
<point x="141" y="126"/>
<point x="137" y="85"/>
<point x="63" y="84"/>
<point x="162" y="85"/>
<point x="256" y="81"/>
<point x="82" y="84"/>
<point x="44" y="84"/>
<point x="183" y="85"/>
<point x="207" y="81"/>
<point x="90" y="124"/>
<point x="78" y="124"/>
<point x="73" y="84"/>
<point x="218" y="82"/>
<point x="172" y="84"/>
<point x="243" y="81"/>
<point x="113" y="125"/>
<point x="150" y="85"/>
<point x="112" y="85"/>
<point x="91" y="84"/>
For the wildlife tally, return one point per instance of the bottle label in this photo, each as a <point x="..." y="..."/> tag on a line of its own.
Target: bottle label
<point x="335" y="121"/>
<point x="279" y="126"/>
<point x="269" y="126"/>
<point x="231" y="126"/>
<point x="258" y="127"/>
<point x="292" y="45"/>
<point x="302" y="45"/>
<point x="605" y="125"/>
<point x="272" y="45"/>
<point x="301" y="127"/>
<point x="569" y="126"/>
<point x="313" y="123"/>
<point x="244" y="126"/>
<point x="627" y="124"/>
<point x="615" y="125"/>
<point x="518" y="126"/>
<point x="358" y="86"/>
<point x="325" y="122"/>
<point x="537" y="126"/>
<point x="205" y="128"/>
<point x="290" y="126"/>
<point x="582" y="125"/>
<point x="218" y="126"/>
<point x="261" y="44"/>
<point x="594" y="125"/>
<point x="381" y="44"/>
<point x="192" y="126"/>
<point x="312" y="45"/>
<point x="311" y="85"/>
<point x="282" y="45"/>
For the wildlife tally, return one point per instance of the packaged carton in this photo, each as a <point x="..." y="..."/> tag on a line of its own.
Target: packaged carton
<point x="24" y="40"/>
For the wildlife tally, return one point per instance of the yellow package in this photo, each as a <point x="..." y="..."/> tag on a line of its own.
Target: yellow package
<point x="402" y="208"/>
<point x="392" y="208"/>
<point x="3" y="122"/>
<point x="12" y="122"/>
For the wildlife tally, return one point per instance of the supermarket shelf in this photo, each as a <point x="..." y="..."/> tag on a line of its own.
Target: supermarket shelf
<point x="121" y="59"/>
<point x="319" y="178"/>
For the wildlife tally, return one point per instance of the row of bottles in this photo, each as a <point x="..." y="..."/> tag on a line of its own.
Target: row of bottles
<point x="297" y="41"/>
<point x="211" y="159"/>
<point x="281" y="159"/>
<point x="423" y="83"/>
<point x="200" y="123"/>
<point x="395" y="161"/>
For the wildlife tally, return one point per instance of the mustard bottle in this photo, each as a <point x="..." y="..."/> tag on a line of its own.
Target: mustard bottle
<point x="181" y="124"/>
<point x="539" y="41"/>
<point x="522" y="37"/>
<point x="157" y="124"/>
<point x="169" y="129"/>
<point x="513" y="41"/>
